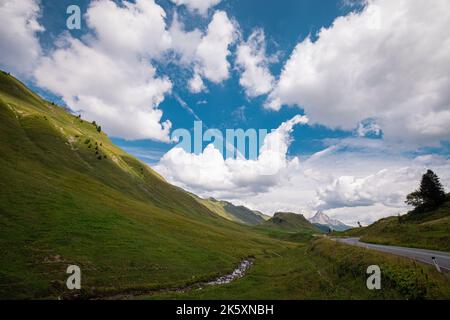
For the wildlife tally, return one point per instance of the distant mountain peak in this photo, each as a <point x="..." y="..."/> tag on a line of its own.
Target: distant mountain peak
<point x="322" y="219"/>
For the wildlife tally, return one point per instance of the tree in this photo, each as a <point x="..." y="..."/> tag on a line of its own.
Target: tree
<point x="414" y="199"/>
<point x="99" y="129"/>
<point x="431" y="189"/>
<point x="430" y="195"/>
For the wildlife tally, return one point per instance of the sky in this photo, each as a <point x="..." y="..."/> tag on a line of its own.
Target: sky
<point x="354" y="94"/>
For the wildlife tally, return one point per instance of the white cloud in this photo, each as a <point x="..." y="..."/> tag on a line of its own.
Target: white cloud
<point x="389" y="62"/>
<point x="130" y="29"/>
<point x="388" y="187"/>
<point x="353" y="180"/>
<point x="120" y="95"/>
<point x="213" y="49"/>
<point x="196" y="84"/>
<point x="107" y="81"/>
<point x="200" y="6"/>
<point x="205" y="52"/>
<point x="251" y="59"/>
<point x="365" y="215"/>
<point x="184" y="43"/>
<point x="19" y="45"/>
<point x="209" y="173"/>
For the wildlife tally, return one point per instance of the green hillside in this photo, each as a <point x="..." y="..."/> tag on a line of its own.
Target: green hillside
<point x="429" y="230"/>
<point x="234" y="213"/>
<point x="69" y="196"/>
<point x="290" y="222"/>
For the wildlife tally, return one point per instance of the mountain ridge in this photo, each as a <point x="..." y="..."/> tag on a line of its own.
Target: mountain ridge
<point x="232" y="212"/>
<point x="291" y="222"/>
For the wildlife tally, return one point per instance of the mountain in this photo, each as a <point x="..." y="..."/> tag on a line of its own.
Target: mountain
<point x="68" y="195"/>
<point x="234" y="213"/>
<point x="292" y="222"/>
<point x="324" y="222"/>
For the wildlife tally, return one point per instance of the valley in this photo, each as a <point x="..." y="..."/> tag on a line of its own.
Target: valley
<point x="69" y="196"/>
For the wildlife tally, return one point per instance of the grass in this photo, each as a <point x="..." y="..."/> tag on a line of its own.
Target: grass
<point x="325" y="269"/>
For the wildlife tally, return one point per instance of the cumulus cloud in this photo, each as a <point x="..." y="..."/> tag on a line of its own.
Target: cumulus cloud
<point x="110" y="82"/>
<point x="200" y="6"/>
<point x="184" y="43"/>
<point x="131" y="29"/>
<point x="205" y="52"/>
<point x="388" y="61"/>
<point x="352" y="180"/>
<point x="253" y="62"/>
<point x="196" y="84"/>
<point x="387" y="187"/>
<point x="19" y="45"/>
<point x="209" y="173"/>
<point x="212" y="52"/>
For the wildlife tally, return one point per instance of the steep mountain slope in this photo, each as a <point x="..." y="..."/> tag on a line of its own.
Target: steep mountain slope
<point x="291" y="222"/>
<point x="69" y="196"/>
<point x="430" y="230"/>
<point x="324" y="222"/>
<point x="234" y="213"/>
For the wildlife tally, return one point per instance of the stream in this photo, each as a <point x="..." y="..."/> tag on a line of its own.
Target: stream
<point x="237" y="273"/>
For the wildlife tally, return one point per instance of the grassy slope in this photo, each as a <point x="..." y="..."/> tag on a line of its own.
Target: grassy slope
<point x="234" y="213"/>
<point x="290" y="222"/>
<point x="432" y="231"/>
<point x="325" y="269"/>
<point x="289" y="226"/>
<point x="115" y="218"/>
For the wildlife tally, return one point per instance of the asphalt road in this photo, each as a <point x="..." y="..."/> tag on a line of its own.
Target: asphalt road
<point x="421" y="255"/>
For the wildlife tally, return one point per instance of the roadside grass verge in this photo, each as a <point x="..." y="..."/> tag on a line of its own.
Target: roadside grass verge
<point x="323" y="269"/>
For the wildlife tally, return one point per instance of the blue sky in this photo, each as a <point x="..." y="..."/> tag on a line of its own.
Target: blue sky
<point x="375" y="95"/>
